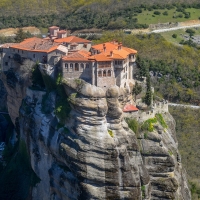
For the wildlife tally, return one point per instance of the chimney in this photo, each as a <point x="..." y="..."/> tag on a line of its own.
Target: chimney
<point x="119" y="46"/>
<point x="34" y="46"/>
<point x="111" y="53"/>
<point x="104" y="47"/>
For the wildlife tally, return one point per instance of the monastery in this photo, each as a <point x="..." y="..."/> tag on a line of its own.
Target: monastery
<point x="103" y="65"/>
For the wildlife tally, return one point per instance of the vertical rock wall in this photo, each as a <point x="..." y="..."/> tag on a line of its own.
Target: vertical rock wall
<point x="95" y="155"/>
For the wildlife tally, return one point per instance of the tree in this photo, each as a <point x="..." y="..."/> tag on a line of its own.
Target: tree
<point x="148" y="96"/>
<point x="21" y="35"/>
<point x="165" y="13"/>
<point x="137" y="89"/>
<point x="174" y="35"/>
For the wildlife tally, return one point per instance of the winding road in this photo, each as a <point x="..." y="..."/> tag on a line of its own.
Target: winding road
<point x="183" y="105"/>
<point x="174" y="28"/>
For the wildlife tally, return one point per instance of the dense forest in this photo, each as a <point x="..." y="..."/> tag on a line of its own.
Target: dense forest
<point x="73" y="15"/>
<point x="174" y="70"/>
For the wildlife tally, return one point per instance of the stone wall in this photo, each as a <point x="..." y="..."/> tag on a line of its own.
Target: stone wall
<point x="160" y="107"/>
<point x="84" y="71"/>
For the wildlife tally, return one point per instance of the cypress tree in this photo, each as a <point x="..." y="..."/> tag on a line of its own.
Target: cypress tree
<point x="148" y="96"/>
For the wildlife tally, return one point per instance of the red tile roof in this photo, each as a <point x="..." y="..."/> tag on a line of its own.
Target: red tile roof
<point x="72" y="39"/>
<point x="119" y="52"/>
<point x="111" y="46"/>
<point x="77" y="56"/>
<point x="7" y="45"/>
<point x="130" y="108"/>
<point x="36" y="45"/>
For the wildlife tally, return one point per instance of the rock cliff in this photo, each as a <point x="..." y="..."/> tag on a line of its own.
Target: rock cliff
<point x="94" y="154"/>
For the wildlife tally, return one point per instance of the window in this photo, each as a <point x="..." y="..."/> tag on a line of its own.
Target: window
<point x="66" y="66"/>
<point x="82" y="67"/>
<point x="104" y="73"/>
<point x="109" y="73"/>
<point x="76" y="67"/>
<point x="6" y="63"/>
<point x="85" y="45"/>
<point x="87" y="65"/>
<point x="18" y="50"/>
<point x="99" y="73"/>
<point x="22" y="52"/>
<point x="33" y="55"/>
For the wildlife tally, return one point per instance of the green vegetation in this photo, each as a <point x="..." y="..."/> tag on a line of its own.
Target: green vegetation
<point x="190" y="31"/>
<point x="110" y="133"/>
<point x="148" y="95"/>
<point x="143" y="190"/>
<point x="169" y="15"/>
<point x="170" y="153"/>
<point x="195" y="189"/>
<point x="188" y="136"/>
<point x="21" y="35"/>
<point x="148" y="125"/>
<point x="37" y="80"/>
<point x="160" y="119"/>
<point x="102" y="14"/>
<point x="174" y="35"/>
<point x="17" y="177"/>
<point x="145" y="135"/>
<point x="45" y="82"/>
<point x="133" y="125"/>
<point x="137" y="89"/>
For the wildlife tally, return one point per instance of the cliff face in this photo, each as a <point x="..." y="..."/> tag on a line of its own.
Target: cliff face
<point x="95" y="155"/>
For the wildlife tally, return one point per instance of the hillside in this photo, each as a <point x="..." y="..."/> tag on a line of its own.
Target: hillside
<point x="74" y="15"/>
<point x="188" y="135"/>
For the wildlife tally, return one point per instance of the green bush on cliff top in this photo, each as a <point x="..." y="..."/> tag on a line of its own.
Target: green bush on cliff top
<point x="148" y="125"/>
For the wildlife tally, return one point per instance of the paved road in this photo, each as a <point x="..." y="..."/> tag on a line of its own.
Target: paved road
<point x="174" y="28"/>
<point x="185" y="106"/>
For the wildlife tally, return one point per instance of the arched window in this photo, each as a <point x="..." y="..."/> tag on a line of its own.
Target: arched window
<point x="76" y="67"/>
<point x="100" y="73"/>
<point x="66" y="65"/>
<point x="109" y="73"/>
<point x="71" y="67"/>
<point x="104" y="73"/>
<point x="82" y="67"/>
<point x="124" y="84"/>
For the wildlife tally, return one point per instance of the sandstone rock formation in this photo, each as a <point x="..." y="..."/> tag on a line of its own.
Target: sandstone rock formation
<point x="94" y="155"/>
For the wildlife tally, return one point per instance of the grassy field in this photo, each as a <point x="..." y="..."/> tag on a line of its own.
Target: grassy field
<point x="148" y="17"/>
<point x="168" y="35"/>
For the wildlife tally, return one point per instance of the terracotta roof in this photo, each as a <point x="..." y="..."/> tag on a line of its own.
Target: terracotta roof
<point x="119" y="54"/>
<point x="72" y="39"/>
<point x="77" y="56"/>
<point x="111" y="46"/>
<point x="53" y="27"/>
<point x="37" y="45"/>
<point x="100" y="57"/>
<point x="7" y="45"/>
<point x="130" y="108"/>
